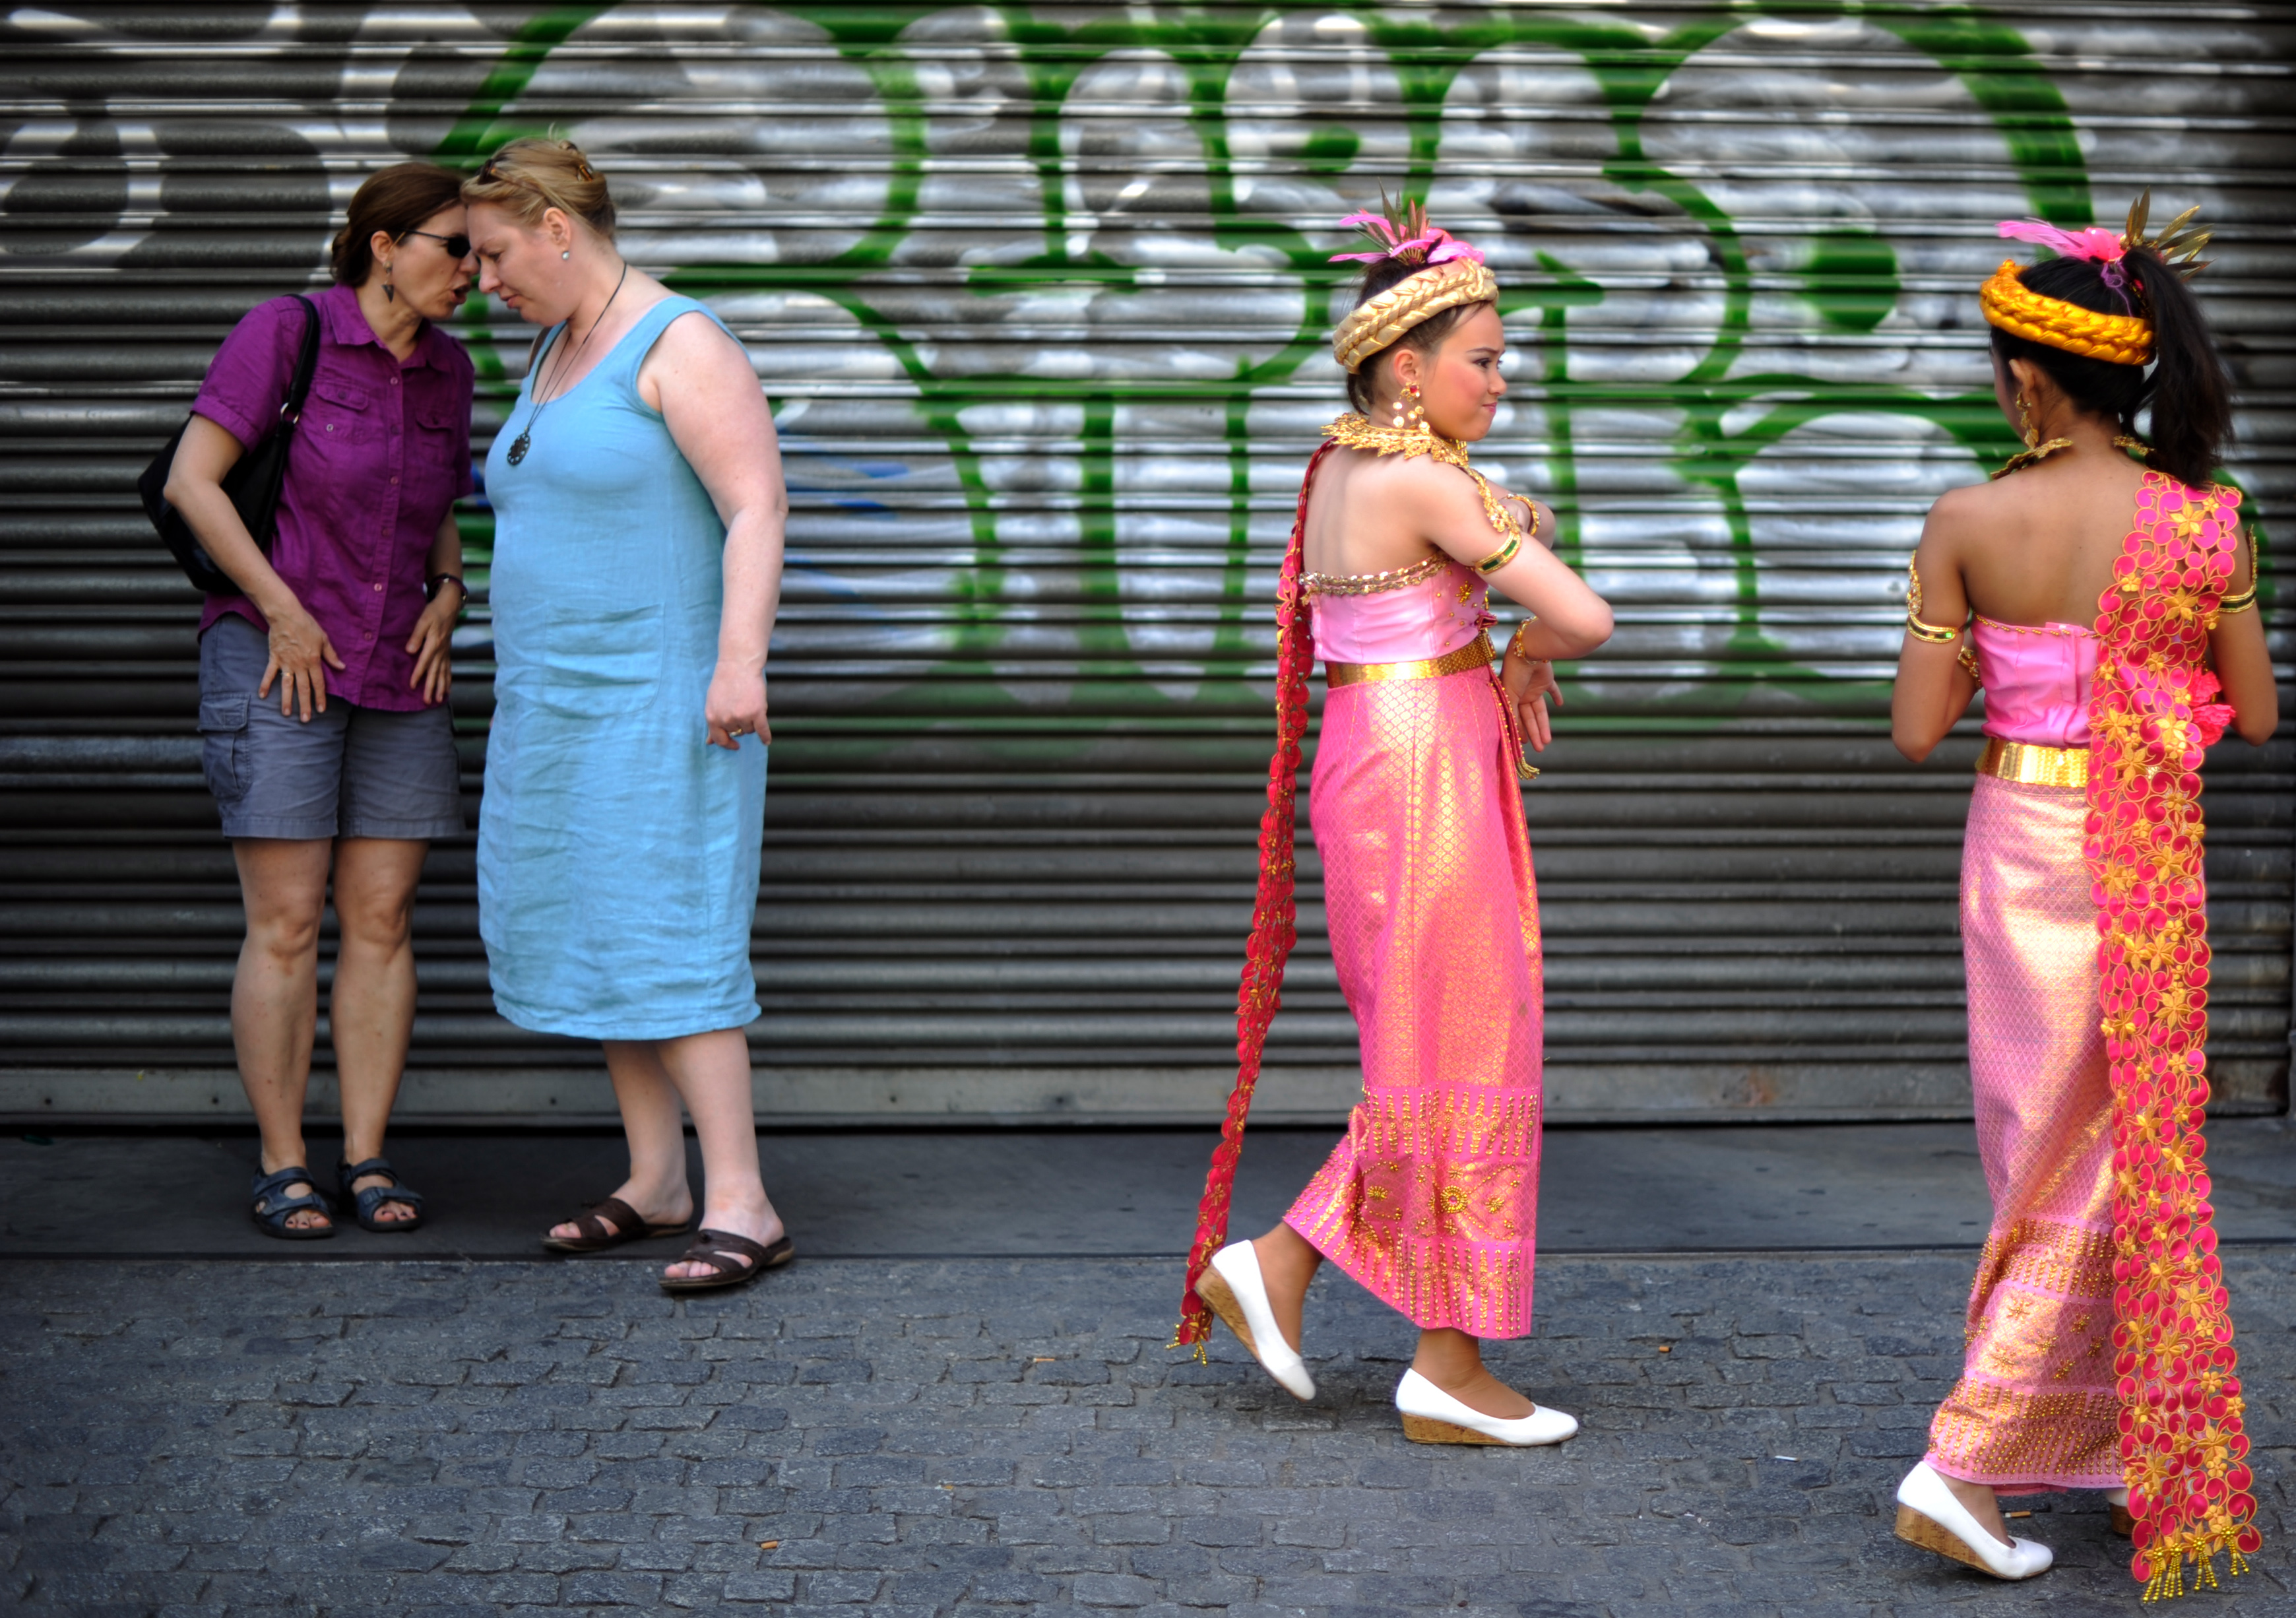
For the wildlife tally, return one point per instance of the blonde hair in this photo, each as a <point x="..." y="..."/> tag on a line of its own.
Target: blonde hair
<point x="531" y="175"/>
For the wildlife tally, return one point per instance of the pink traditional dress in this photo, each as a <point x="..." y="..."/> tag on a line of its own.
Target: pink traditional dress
<point x="2099" y="1346"/>
<point x="1431" y="1200"/>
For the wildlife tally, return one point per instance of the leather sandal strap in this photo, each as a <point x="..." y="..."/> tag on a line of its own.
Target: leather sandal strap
<point x="279" y="1179"/>
<point x="265" y="1196"/>
<point x="627" y="1222"/>
<point x="721" y="1249"/>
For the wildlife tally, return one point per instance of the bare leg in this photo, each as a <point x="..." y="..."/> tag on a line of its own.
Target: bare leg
<point x="373" y="1003"/>
<point x="711" y="1071"/>
<point x="1288" y="1262"/>
<point x="656" y="1188"/>
<point x="275" y="993"/>
<point x="1454" y="1362"/>
<point x="1977" y="1500"/>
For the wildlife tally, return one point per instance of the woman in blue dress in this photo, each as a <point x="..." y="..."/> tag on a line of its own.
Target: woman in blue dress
<point x="638" y="515"/>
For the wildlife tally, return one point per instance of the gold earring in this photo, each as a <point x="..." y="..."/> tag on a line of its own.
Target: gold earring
<point x="1398" y="408"/>
<point x="2033" y="434"/>
<point x="1418" y="415"/>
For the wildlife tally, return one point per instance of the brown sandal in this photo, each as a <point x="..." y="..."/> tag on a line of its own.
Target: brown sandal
<point x="723" y="1251"/>
<point x="597" y="1234"/>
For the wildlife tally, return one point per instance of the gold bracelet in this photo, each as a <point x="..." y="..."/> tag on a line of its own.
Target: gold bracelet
<point x="1514" y="641"/>
<point x="1967" y="659"/>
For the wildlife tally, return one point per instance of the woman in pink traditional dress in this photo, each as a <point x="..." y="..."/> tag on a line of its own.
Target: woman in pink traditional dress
<point x="2099" y="1349"/>
<point x="1430" y="1200"/>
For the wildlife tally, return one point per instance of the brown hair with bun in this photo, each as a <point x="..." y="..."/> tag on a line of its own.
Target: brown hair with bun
<point x="531" y="175"/>
<point x="393" y="201"/>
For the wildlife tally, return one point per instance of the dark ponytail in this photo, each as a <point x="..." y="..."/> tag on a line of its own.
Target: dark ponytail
<point x="2192" y="396"/>
<point x="2187" y="387"/>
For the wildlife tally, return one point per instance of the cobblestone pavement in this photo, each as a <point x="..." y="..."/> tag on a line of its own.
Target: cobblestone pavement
<point x="998" y="1437"/>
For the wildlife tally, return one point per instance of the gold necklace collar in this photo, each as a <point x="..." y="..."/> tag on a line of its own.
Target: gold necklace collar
<point x="1353" y="431"/>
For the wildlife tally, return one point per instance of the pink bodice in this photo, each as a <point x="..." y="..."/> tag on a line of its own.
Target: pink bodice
<point x="1398" y="623"/>
<point x="2037" y="681"/>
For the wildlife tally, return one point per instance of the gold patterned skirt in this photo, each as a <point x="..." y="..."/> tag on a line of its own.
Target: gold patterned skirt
<point x="2036" y="1409"/>
<point x="1431" y="1201"/>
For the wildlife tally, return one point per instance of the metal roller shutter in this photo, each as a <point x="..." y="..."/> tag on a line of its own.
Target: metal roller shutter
<point x="1040" y="295"/>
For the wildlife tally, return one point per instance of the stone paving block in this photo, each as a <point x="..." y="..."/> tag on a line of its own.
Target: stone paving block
<point x="435" y="1438"/>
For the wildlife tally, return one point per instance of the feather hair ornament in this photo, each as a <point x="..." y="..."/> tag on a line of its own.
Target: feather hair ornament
<point x="1412" y="241"/>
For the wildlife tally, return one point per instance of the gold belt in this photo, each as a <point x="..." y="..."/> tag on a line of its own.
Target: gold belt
<point x="1476" y="654"/>
<point x="2029" y="764"/>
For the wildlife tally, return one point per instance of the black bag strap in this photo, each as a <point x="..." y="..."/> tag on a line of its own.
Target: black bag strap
<point x="306" y="365"/>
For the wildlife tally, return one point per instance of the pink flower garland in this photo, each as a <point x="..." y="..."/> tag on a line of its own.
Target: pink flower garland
<point x="2183" y="1448"/>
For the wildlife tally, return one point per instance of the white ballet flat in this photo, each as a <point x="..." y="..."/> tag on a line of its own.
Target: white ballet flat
<point x="1928" y="1517"/>
<point x="1232" y="1286"/>
<point x="1432" y="1417"/>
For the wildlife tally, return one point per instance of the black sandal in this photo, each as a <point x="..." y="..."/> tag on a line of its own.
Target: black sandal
<point x="723" y="1251"/>
<point x="363" y="1203"/>
<point x="597" y="1236"/>
<point x="270" y="1209"/>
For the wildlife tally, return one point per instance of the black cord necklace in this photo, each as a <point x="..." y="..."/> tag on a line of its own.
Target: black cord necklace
<point x="525" y="440"/>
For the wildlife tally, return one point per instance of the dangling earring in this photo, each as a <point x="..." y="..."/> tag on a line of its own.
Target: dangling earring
<point x="1418" y="415"/>
<point x="389" y="292"/>
<point x="1398" y="408"/>
<point x="2033" y="434"/>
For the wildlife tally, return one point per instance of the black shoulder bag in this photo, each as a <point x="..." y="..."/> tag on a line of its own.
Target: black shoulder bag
<point x="253" y="482"/>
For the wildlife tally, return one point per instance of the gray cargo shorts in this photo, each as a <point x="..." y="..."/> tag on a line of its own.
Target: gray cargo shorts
<point x="348" y="772"/>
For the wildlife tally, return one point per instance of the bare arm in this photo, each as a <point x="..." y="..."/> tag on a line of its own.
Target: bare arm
<point x="1933" y="690"/>
<point x="1572" y="620"/>
<point x="301" y="651"/>
<point x="1568" y="618"/>
<point x="2238" y="654"/>
<point x="701" y="382"/>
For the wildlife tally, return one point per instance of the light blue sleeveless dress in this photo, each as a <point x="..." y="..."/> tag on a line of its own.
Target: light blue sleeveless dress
<point x="617" y="851"/>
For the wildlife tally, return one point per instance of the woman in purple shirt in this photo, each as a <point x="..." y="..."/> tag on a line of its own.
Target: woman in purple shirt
<point x="323" y="688"/>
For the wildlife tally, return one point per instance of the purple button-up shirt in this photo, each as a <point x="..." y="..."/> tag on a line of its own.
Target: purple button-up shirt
<point x="382" y="453"/>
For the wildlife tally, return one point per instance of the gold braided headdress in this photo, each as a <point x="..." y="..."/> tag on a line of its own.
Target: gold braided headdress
<point x="1377" y="321"/>
<point x="1454" y="273"/>
<point x="2121" y="340"/>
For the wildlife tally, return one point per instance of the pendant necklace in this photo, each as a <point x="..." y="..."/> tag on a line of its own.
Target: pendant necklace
<point x="525" y="440"/>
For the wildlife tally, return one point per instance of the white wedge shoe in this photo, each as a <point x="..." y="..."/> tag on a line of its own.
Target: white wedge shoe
<point x="1232" y="1286"/>
<point x="1928" y="1517"/>
<point x="1432" y="1417"/>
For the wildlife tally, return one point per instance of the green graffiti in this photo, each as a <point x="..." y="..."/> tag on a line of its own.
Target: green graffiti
<point x="1846" y="276"/>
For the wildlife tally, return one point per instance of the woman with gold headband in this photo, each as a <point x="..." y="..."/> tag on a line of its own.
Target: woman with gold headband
<point x="1430" y="1199"/>
<point x="2103" y="597"/>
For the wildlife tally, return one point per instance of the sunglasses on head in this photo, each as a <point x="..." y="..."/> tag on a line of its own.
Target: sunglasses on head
<point x="457" y="246"/>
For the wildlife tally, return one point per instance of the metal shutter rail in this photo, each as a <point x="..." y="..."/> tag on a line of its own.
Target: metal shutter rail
<point x="1040" y="295"/>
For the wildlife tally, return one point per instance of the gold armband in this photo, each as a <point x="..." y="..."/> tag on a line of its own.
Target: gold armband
<point x="1500" y="557"/>
<point x="2240" y="602"/>
<point x="1931" y="632"/>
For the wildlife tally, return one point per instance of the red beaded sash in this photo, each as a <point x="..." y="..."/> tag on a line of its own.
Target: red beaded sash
<point x="2183" y="1451"/>
<point x="1274" y="915"/>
